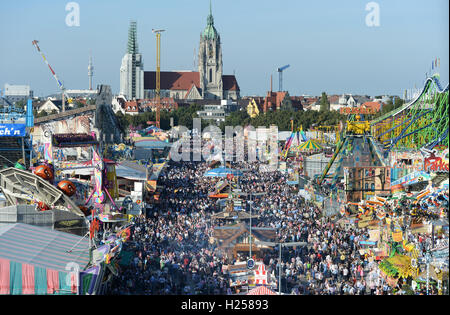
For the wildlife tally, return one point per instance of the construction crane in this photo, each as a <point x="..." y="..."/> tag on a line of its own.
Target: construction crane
<point x="61" y="86"/>
<point x="158" y="75"/>
<point x="280" y="71"/>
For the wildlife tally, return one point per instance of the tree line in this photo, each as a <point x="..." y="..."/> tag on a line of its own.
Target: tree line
<point x="184" y="115"/>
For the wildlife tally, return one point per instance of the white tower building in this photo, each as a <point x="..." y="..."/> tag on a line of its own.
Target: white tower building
<point x="132" y="69"/>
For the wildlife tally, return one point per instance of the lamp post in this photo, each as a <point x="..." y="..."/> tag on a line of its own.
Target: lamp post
<point x="289" y="244"/>
<point x="250" y="203"/>
<point x="427" y="260"/>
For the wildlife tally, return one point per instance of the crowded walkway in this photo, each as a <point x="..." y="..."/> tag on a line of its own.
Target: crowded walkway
<point x="174" y="252"/>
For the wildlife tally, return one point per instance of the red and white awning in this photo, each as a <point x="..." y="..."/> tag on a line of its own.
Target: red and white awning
<point x="261" y="291"/>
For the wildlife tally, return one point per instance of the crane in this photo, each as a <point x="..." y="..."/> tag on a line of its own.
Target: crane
<point x="158" y="75"/>
<point x="61" y="86"/>
<point x="280" y="71"/>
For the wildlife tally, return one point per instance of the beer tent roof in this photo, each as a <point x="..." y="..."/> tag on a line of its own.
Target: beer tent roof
<point x="23" y="243"/>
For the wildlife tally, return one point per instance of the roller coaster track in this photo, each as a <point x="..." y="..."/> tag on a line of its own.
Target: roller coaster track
<point x="428" y="84"/>
<point x="423" y="122"/>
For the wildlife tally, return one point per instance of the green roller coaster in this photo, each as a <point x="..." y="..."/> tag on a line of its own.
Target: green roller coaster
<point x="422" y="123"/>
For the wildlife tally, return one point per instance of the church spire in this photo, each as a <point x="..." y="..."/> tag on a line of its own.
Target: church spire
<point x="210" y="31"/>
<point x="210" y="16"/>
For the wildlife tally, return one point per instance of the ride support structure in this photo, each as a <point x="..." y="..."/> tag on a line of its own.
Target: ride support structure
<point x="422" y="123"/>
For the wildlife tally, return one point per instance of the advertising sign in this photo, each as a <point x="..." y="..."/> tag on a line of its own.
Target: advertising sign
<point x="12" y="130"/>
<point x="412" y="178"/>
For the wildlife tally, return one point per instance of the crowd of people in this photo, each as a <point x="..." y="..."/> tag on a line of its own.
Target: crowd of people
<point x="174" y="251"/>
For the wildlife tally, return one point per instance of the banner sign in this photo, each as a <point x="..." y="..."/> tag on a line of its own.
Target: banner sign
<point x="12" y="130"/>
<point x="412" y="178"/>
<point x="357" y="110"/>
<point x="370" y="243"/>
<point x="435" y="164"/>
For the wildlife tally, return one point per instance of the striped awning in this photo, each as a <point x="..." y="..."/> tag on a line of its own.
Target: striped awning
<point x="309" y="145"/>
<point x="262" y="290"/>
<point x="222" y="172"/>
<point x="41" y="247"/>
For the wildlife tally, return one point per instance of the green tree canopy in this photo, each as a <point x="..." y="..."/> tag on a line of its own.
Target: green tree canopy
<point x="324" y="103"/>
<point x="286" y="103"/>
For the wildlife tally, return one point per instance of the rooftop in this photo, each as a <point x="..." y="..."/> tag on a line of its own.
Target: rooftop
<point x="41" y="247"/>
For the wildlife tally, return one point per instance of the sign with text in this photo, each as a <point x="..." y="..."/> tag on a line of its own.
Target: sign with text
<point x="12" y="130"/>
<point x="357" y="110"/>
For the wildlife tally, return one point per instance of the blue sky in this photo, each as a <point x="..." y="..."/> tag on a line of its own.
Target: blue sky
<point x="326" y="42"/>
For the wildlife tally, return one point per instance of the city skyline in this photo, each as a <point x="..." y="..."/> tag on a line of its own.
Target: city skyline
<point x="328" y="45"/>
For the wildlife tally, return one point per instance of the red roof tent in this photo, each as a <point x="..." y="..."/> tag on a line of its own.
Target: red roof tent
<point x="171" y="80"/>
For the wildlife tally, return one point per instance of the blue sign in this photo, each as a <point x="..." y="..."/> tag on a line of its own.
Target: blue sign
<point x="30" y="116"/>
<point x="12" y="130"/>
<point x="367" y="243"/>
<point x="412" y="178"/>
<point x="250" y="264"/>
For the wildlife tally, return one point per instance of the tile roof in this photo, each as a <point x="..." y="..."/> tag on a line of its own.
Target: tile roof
<point x="333" y="99"/>
<point x="273" y="99"/>
<point x="374" y="105"/>
<point x="129" y="106"/>
<point x="171" y="80"/>
<point x="230" y="83"/>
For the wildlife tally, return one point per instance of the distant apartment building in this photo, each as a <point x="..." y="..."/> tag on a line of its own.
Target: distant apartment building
<point x="15" y="93"/>
<point x="134" y="107"/>
<point x="213" y="110"/>
<point x="76" y="94"/>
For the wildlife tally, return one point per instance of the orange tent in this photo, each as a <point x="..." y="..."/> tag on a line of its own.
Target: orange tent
<point x="225" y="195"/>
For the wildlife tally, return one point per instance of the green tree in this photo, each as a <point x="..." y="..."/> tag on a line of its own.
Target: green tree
<point x="286" y="103"/>
<point x="78" y="104"/>
<point x="41" y="114"/>
<point x="123" y="122"/>
<point x="324" y="103"/>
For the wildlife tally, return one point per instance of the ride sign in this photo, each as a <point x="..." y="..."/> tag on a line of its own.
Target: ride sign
<point x="12" y="130"/>
<point x="250" y="264"/>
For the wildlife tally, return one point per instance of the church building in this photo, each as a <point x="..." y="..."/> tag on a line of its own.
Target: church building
<point x="208" y="83"/>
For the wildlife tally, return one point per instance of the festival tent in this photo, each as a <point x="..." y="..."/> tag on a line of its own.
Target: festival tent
<point x="33" y="260"/>
<point x="150" y="143"/>
<point x="222" y="172"/>
<point x="309" y="145"/>
<point x="262" y="290"/>
<point x="131" y="171"/>
<point x="149" y="130"/>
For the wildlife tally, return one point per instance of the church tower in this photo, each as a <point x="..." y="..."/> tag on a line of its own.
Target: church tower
<point x="210" y="61"/>
<point x="132" y="68"/>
